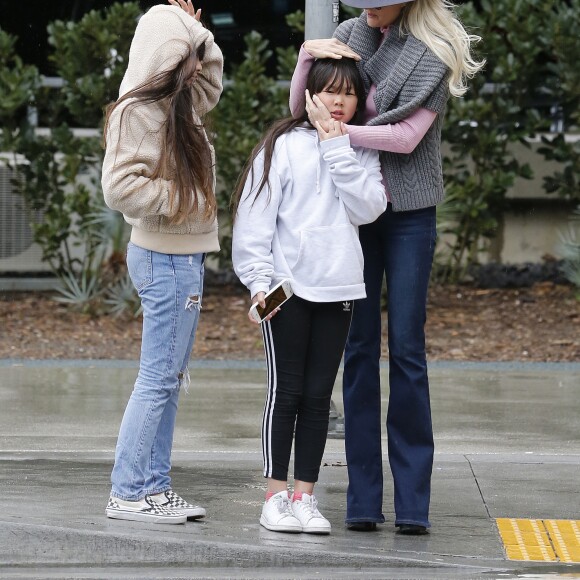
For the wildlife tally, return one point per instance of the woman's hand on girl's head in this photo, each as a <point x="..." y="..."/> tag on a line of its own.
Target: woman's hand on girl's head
<point x="188" y="7"/>
<point x="317" y="111"/>
<point x="329" y="48"/>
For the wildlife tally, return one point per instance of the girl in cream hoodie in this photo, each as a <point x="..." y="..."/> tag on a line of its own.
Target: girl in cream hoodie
<point x="159" y="172"/>
<point x="297" y="209"/>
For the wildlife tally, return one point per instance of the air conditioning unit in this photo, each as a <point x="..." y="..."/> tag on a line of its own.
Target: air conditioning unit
<point x="18" y="252"/>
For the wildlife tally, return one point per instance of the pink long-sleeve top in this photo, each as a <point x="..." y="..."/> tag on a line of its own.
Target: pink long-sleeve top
<point x="401" y="137"/>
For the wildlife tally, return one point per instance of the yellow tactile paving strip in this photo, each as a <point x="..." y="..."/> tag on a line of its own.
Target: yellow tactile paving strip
<point x="565" y="536"/>
<point x="540" y="540"/>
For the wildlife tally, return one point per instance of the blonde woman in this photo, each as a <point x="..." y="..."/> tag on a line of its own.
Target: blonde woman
<point x="411" y="56"/>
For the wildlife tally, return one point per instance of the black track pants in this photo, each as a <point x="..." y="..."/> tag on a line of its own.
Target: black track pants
<point x="304" y="343"/>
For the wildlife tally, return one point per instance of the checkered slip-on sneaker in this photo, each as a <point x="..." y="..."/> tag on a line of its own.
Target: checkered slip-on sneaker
<point x="169" y="499"/>
<point x="143" y="510"/>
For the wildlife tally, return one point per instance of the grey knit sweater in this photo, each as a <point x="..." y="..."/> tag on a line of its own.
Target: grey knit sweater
<point x="408" y="76"/>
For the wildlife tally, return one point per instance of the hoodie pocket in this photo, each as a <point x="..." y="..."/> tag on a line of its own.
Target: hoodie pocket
<point x="329" y="256"/>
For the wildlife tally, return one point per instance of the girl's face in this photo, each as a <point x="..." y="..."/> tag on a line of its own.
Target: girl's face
<point x="197" y="69"/>
<point x="341" y="102"/>
<point x="385" y="16"/>
<point x="197" y="66"/>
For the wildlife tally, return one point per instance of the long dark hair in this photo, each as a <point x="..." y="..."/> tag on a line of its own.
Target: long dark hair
<point x="185" y="151"/>
<point x="325" y="72"/>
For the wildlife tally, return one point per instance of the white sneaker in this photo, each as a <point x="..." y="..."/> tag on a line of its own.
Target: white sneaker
<point x="169" y="499"/>
<point x="277" y="514"/>
<point x="143" y="510"/>
<point x="306" y="511"/>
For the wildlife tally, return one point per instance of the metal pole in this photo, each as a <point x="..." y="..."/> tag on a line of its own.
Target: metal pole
<point x="321" y="18"/>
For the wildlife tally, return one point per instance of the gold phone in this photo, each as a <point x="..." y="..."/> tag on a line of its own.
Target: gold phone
<point x="275" y="298"/>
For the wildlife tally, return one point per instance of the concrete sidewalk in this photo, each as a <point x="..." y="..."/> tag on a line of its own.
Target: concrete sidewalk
<point x="507" y="446"/>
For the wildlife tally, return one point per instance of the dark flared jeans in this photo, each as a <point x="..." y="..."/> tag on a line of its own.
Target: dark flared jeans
<point x="400" y="246"/>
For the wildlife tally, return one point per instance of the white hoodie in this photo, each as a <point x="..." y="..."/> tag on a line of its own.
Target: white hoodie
<point x="304" y="226"/>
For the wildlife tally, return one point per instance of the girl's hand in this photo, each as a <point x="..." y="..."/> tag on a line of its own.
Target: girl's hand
<point x="317" y="112"/>
<point x="335" y="129"/>
<point x="188" y="7"/>
<point x="329" y="48"/>
<point x="259" y="298"/>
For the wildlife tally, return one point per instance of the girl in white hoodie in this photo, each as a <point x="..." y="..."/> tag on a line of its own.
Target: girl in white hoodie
<point x="296" y="211"/>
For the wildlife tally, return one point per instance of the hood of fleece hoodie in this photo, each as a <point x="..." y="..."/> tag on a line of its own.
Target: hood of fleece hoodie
<point x="164" y="35"/>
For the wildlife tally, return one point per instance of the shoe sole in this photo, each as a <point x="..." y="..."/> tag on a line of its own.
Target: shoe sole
<point x="316" y="530"/>
<point x="362" y="527"/>
<point x="280" y="527"/>
<point x="414" y="531"/>
<point x="192" y="513"/>
<point x="195" y="514"/>
<point x="140" y="517"/>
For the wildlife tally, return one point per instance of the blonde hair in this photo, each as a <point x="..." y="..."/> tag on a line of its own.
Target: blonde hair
<point x="434" y="22"/>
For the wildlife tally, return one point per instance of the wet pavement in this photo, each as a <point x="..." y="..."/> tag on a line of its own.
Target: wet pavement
<point x="507" y="446"/>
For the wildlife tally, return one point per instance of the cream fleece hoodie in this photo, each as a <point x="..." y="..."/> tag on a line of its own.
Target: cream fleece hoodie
<point x="163" y="36"/>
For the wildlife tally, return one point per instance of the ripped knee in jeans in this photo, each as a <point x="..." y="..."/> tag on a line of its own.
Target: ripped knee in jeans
<point x="193" y="301"/>
<point x="184" y="380"/>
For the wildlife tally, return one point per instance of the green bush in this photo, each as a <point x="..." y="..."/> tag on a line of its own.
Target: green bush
<point x="570" y="251"/>
<point x="18" y="84"/>
<point x="531" y="67"/>
<point x="509" y="103"/>
<point x="563" y="86"/>
<point x="61" y="180"/>
<point x="91" y="56"/>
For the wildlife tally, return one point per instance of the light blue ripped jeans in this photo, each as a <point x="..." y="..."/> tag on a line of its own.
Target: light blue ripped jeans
<point x="170" y="287"/>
